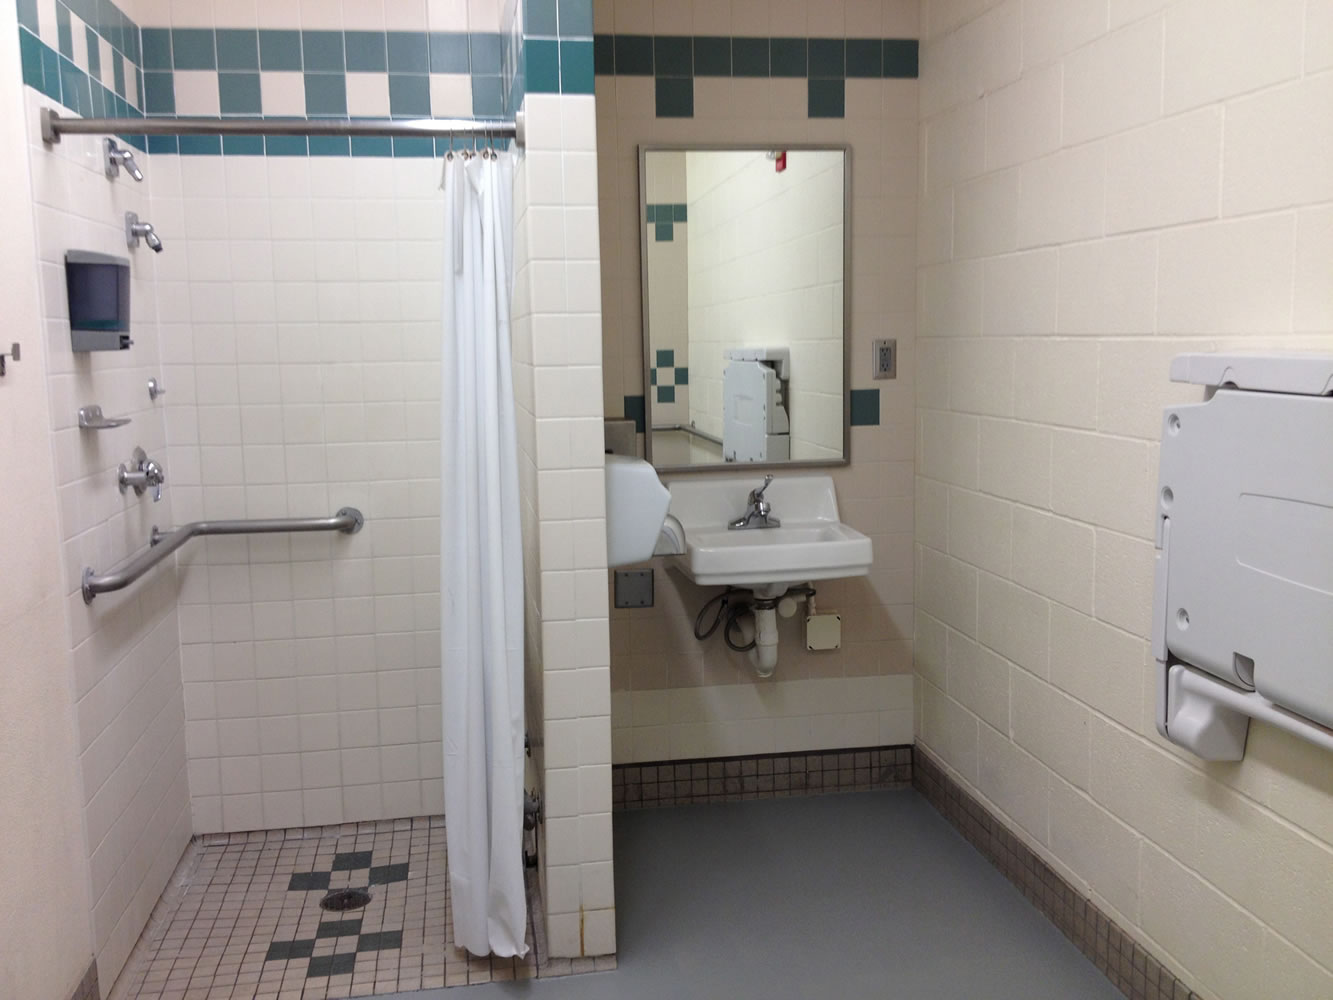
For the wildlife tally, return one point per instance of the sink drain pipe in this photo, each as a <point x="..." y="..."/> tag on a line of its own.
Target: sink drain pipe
<point x="764" y="654"/>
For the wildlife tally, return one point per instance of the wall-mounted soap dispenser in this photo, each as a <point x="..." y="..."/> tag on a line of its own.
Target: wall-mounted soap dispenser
<point x="98" y="286"/>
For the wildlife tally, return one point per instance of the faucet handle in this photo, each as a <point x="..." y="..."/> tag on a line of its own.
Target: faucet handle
<point x="758" y="494"/>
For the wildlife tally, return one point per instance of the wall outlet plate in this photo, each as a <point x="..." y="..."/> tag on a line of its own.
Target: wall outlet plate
<point x="823" y="631"/>
<point x="885" y="364"/>
<point x="634" y="588"/>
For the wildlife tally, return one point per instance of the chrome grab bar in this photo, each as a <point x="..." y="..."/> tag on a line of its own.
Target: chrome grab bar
<point x="348" y="520"/>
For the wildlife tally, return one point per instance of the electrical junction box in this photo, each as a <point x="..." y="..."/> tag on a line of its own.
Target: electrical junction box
<point x="634" y="588"/>
<point x="823" y="631"/>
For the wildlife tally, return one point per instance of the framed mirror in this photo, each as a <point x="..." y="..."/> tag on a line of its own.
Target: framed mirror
<point x="745" y="254"/>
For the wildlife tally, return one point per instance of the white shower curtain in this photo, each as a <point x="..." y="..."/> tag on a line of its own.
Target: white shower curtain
<point x="481" y="578"/>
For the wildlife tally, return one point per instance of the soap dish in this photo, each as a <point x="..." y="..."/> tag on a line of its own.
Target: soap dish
<point x="91" y="419"/>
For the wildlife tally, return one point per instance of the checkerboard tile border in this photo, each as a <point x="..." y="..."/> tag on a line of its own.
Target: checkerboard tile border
<point x="1126" y="963"/>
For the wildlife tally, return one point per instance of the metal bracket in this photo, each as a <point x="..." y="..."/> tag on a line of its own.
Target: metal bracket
<point x="13" y="353"/>
<point x="48" y="119"/>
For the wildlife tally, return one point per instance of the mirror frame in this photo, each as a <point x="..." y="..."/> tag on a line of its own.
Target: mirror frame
<point x="704" y="147"/>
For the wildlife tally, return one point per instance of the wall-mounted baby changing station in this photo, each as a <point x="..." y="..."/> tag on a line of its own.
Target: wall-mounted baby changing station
<point x="1243" y="614"/>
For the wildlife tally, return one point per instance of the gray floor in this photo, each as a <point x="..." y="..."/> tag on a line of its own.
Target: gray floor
<point x="863" y="895"/>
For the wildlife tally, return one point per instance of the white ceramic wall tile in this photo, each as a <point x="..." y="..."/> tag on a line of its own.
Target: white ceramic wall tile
<point x="1184" y="213"/>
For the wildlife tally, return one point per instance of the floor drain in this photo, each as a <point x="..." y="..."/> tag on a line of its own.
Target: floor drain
<point x="345" y="899"/>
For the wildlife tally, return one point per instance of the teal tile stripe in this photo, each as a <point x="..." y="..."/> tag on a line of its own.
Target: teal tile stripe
<point x="671" y="56"/>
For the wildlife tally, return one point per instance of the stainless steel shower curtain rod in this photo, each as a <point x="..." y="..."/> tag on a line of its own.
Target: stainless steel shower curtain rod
<point x="54" y="125"/>
<point x="348" y="520"/>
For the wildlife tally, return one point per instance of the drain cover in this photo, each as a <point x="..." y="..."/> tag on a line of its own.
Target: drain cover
<point x="345" y="899"/>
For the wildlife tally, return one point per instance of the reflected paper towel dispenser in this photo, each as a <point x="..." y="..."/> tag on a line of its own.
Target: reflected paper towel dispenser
<point x="98" y="287"/>
<point x="1243" y="596"/>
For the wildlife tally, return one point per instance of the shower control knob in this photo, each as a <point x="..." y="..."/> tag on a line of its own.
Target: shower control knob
<point x="142" y="474"/>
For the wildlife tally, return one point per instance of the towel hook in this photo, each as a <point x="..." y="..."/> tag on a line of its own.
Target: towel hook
<point x="13" y="352"/>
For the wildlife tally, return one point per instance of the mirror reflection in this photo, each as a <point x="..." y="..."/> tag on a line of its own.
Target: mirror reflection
<point x="744" y="254"/>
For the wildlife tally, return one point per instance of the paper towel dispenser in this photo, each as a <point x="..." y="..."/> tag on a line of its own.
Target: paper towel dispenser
<point x="98" y="289"/>
<point x="1243" y="615"/>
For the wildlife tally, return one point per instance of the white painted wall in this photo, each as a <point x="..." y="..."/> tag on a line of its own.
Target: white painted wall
<point x="48" y="938"/>
<point x="1104" y="186"/>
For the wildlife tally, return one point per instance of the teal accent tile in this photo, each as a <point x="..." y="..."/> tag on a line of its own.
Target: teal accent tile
<point x="279" y="49"/>
<point x="789" y="56"/>
<point x="192" y="48"/>
<point x="712" y="56"/>
<point x="679" y="213"/>
<point x="543" y="56"/>
<point x="487" y="96"/>
<point x="634" y="55"/>
<point x="673" y="55"/>
<point x="666" y="359"/>
<point x="409" y="95"/>
<point x="666" y="393"/>
<point x="28" y="16"/>
<point x="650" y="213"/>
<point x="201" y="145"/>
<point x="64" y="32"/>
<point x="675" y="97"/>
<point x="159" y="94"/>
<point x="329" y="145"/>
<point x="901" y="58"/>
<point x="664" y="232"/>
<point x="242" y="145"/>
<point x="238" y="48"/>
<point x="30" y="59"/>
<point x="749" y="57"/>
<point x="51" y="74"/>
<point x="634" y="410"/>
<point x="94" y="53"/>
<point x="372" y="145"/>
<point x="413" y="146"/>
<point x="828" y="58"/>
<point x="326" y="94"/>
<point x="827" y="99"/>
<point x="539" y="19"/>
<point x="283" y="145"/>
<point x="865" y="407"/>
<point x="118" y="73"/>
<point x="366" y="52"/>
<point x="576" y="66"/>
<point x="448" y="52"/>
<point x="163" y="144"/>
<point x="322" y="52"/>
<point x="409" y="52"/>
<point x="238" y="94"/>
<point x="484" y="53"/>
<point x="652" y="376"/>
<point x="682" y="376"/>
<point x="865" y="57"/>
<point x="604" y="55"/>
<point x="156" y="48"/>
<point x="575" y="18"/>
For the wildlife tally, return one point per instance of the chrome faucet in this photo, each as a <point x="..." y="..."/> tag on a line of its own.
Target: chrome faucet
<point x="143" y="474"/>
<point x="117" y="158"/>
<point x="134" y="230"/>
<point x="758" y="513"/>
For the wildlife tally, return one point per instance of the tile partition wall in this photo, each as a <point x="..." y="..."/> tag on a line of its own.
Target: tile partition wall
<point x="673" y="696"/>
<point x="126" y="649"/>
<point x="1105" y="186"/>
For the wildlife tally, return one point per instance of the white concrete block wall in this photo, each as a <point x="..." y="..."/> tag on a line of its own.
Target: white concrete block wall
<point x="1104" y="185"/>
<point x="125" y="649"/>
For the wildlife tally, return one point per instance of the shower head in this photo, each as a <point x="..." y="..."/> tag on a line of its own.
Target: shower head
<point x="117" y="158"/>
<point x="136" y="230"/>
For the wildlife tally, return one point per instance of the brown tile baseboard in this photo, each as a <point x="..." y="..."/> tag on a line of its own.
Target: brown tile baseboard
<point x="88" y="988"/>
<point x="759" y="776"/>
<point x="1136" y="973"/>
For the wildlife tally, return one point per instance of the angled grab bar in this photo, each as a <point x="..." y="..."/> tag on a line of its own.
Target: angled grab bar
<point x="348" y="520"/>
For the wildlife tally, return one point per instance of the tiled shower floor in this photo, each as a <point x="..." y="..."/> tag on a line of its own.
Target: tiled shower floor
<point x="244" y="920"/>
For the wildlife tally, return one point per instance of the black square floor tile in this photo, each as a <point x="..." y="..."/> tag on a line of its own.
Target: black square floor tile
<point x="350" y="860"/>
<point x="380" y="941"/>
<point x="282" y="951"/>
<point x="384" y="874"/>
<point x="331" y="965"/>
<point x="338" y="928"/>
<point x="308" y="880"/>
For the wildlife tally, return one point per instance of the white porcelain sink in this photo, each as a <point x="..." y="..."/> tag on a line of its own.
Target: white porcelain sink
<point x="811" y="544"/>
